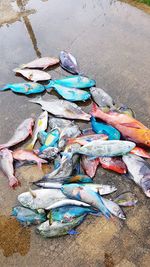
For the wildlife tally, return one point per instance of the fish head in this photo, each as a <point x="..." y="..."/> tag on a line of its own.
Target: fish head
<point x="26" y="199"/>
<point x="145" y="184"/>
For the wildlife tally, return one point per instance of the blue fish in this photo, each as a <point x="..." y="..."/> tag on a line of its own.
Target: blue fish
<point x="103" y="128"/>
<point x="70" y="94"/>
<point x="68" y="213"/>
<point x="48" y="139"/>
<point x="28" y="216"/>
<point x="85" y="194"/>
<point x="76" y="81"/>
<point x="25" y="88"/>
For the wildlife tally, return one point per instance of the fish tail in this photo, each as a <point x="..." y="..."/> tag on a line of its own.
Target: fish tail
<point x="2" y="146"/>
<point x="36" y="100"/>
<point x="49" y="85"/>
<point x="16" y="69"/>
<point x="6" y="87"/>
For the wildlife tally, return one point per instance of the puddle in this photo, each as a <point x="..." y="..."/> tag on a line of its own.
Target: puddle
<point x="14" y="238"/>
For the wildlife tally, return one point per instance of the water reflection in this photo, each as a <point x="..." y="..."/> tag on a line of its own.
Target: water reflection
<point x="9" y="16"/>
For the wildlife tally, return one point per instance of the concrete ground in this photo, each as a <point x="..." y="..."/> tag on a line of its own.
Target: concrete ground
<point x="111" y="41"/>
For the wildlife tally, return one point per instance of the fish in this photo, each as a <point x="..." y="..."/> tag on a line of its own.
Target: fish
<point x="71" y="131"/>
<point x="101" y="189"/>
<point x="80" y="178"/>
<point x="6" y="165"/>
<point x="70" y="94"/>
<point x="62" y="108"/>
<point x="87" y="131"/>
<point x="68" y="213"/>
<point x="41" y="63"/>
<point x="114" y="164"/>
<point x="126" y="110"/>
<point x="50" y="139"/>
<point x="75" y="81"/>
<point x="101" y="97"/>
<point x="27" y="88"/>
<point x="114" y="208"/>
<point x="103" y="128"/>
<point x="140" y="152"/>
<point x="33" y="75"/>
<point x="130" y="128"/>
<point x="40" y="125"/>
<point x="40" y="198"/>
<point x="139" y="171"/>
<point x="59" y="123"/>
<point x="86" y="195"/>
<point x="68" y="62"/>
<point x="28" y="216"/>
<point x="22" y="154"/>
<point x="89" y="166"/>
<point x="85" y="139"/>
<point x="126" y="199"/>
<point x="48" y="153"/>
<point x="67" y="202"/>
<point x="110" y="148"/>
<point x="56" y="228"/>
<point x="20" y="134"/>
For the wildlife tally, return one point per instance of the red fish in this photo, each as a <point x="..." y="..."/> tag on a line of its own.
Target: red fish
<point x="89" y="166"/>
<point x="140" y="152"/>
<point x="114" y="164"/>
<point x="85" y="139"/>
<point x="129" y="127"/>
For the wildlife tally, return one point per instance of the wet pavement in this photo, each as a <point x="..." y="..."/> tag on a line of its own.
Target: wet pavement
<point x="111" y="42"/>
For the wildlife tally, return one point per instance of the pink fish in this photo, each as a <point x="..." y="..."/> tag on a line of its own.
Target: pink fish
<point x="140" y="152"/>
<point x="21" y="154"/>
<point x="85" y="139"/>
<point x="89" y="165"/>
<point x="20" y="134"/>
<point x="6" y="165"/>
<point x="41" y="63"/>
<point x="34" y="75"/>
<point x="114" y="164"/>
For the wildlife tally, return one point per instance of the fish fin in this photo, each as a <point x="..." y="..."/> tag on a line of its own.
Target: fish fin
<point x="72" y="232"/>
<point x="16" y="69"/>
<point x="131" y="124"/>
<point x="49" y="85"/>
<point x="33" y="194"/>
<point x="6" y="87"/>
<point x="36" y="100"/>
<point x="30" y="146"/>
<point x="13" y="182"/>
<point x="2" y="146"/>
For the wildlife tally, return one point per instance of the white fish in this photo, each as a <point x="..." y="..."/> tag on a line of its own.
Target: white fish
<point x="40" y="125"/>
<point x="6" y="165"/>
<point x="41" y="63"/>
<point x="34" y="75"/>
<point x="67" y="202"/>
<point x="62" y="108"/>
<point x="40" y="198"/>
<point x="114" y="208"/>
<point x="20" y="134"/>
<point x="101" y="97"/>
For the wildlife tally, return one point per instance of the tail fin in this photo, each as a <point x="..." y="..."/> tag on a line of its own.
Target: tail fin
<point x="16" y="69"/>
<point x="23" y="66"/>
<point x="49" y="85"/>
<point x="36" y="100"/>
<point x="6" y="87"/>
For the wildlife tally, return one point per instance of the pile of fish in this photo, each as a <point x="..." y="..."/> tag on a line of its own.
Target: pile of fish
<point x="113" y="140"/>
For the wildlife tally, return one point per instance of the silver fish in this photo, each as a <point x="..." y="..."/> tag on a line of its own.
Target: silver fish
<point x="101" y="97"/>
<point x="62" y="108"/>
<point x="68" y="62"/>
<point x="34" y="75"/>
<point x="114" y="208"/>
<point x="59" y="123"/>
<point x="111" y="148"/>
<point x="6" y="165"/>
<point x="139" y="170"/>
<point x="57" y="228"/>
<point x="41" y="63"/>
<point x="40" y="198"/>
<point x="40" y="125"/>
<point x="67" y="202"/>
<point x="49" y="153"/>
<point x="20" y="134"/>
<point x="68" y="132"/>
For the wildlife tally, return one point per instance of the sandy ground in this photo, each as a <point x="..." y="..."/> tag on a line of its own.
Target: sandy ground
<point x="111" y="42"/>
